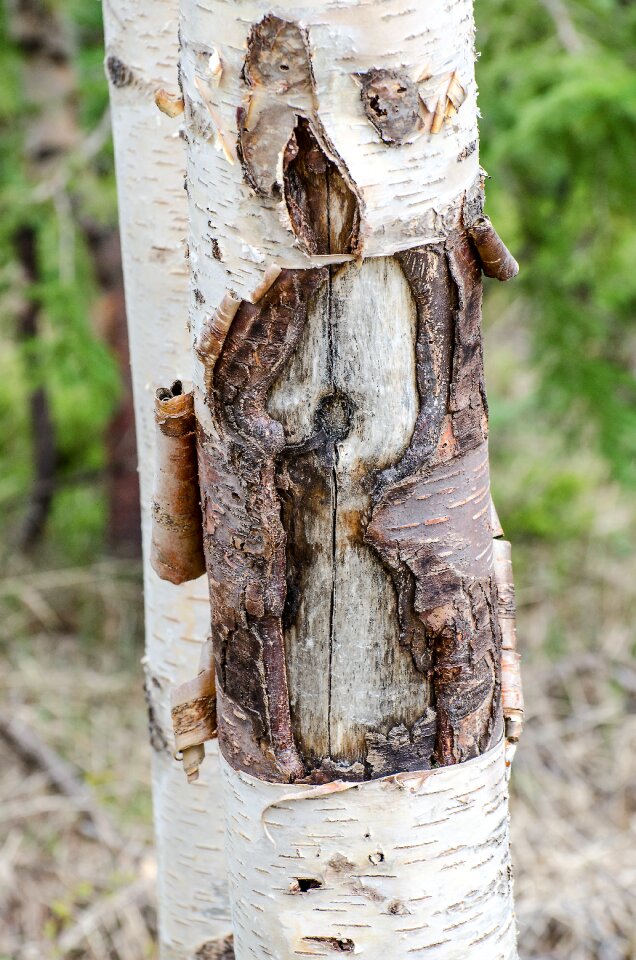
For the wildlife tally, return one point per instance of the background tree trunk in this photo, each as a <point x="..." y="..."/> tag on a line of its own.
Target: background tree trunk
<point x="343" y="463"/>
<point x="141" y="57"/>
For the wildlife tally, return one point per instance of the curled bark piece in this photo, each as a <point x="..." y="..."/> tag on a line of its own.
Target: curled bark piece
<point x="219" y="134"/>
<point x="210" y="342"/>
<point x="442" y="98"/>
<point x="511" y="689"/>
<point x="177" y="540"/>
<point x="496" y="260"/>
<point x="169" y="103"/>
<point x="194" y="714"/>
<point x="215" y="67"/>
<point x="271" y="275"/>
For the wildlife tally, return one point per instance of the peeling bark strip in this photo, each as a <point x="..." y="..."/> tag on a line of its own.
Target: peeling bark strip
<point x="177" y="542"/>
<point x="194" y="714"/>
<point x="511" y="689"/>
<point x="415" y="865"/>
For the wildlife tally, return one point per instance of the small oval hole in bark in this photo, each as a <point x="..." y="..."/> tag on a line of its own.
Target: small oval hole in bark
<point x="332" y="943"/>
<point x="376" y="857"/>
<point x="304" y="884"/>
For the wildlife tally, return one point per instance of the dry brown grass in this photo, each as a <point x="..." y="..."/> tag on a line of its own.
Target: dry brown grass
<point x="76" y="871"/>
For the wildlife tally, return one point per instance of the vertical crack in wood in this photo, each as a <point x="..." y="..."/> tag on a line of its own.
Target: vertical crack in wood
<point x="244" y="537"/>
<point x="334" y="474"/>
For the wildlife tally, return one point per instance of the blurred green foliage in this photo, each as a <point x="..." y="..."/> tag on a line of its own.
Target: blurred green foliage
<point x="558" y="98"/>
<point x="67" y="356"/>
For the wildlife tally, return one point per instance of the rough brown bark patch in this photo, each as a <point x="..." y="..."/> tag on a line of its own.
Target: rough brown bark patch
<point x="392" y="104"/>
<point x="244" y="538"/>
<point x="429" y="525"/>
<point x="431" y="515"/>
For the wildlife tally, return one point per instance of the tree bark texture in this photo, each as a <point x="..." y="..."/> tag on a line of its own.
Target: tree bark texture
<point x="335" y="202"/>
<point x="141" y="56"/>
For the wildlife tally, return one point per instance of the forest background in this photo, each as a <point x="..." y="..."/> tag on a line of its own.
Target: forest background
<point x="558" y="99"/>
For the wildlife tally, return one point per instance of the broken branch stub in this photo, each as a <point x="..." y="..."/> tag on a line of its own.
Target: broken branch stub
<point x="496" y="260"/>
<point x="177" y="539"/>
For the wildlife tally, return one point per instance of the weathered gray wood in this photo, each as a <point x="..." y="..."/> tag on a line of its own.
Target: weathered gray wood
<point x="348" y="674"/>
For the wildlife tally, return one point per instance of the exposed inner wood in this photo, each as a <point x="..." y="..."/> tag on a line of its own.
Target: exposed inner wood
<point x="306" y="171"/>
<point x="348" y="401"/>
<point x="345" y="483"/>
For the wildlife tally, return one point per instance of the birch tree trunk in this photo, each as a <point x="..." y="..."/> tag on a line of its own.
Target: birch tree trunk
<point x="141" y="57"/>
<point x="336" y="248"/>
<point x="360" y="612"/>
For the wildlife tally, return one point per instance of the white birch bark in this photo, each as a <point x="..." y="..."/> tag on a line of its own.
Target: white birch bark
<point x="407" y="193"/>
<point x="415" y="864"/>
<point x="141" y="51"/>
